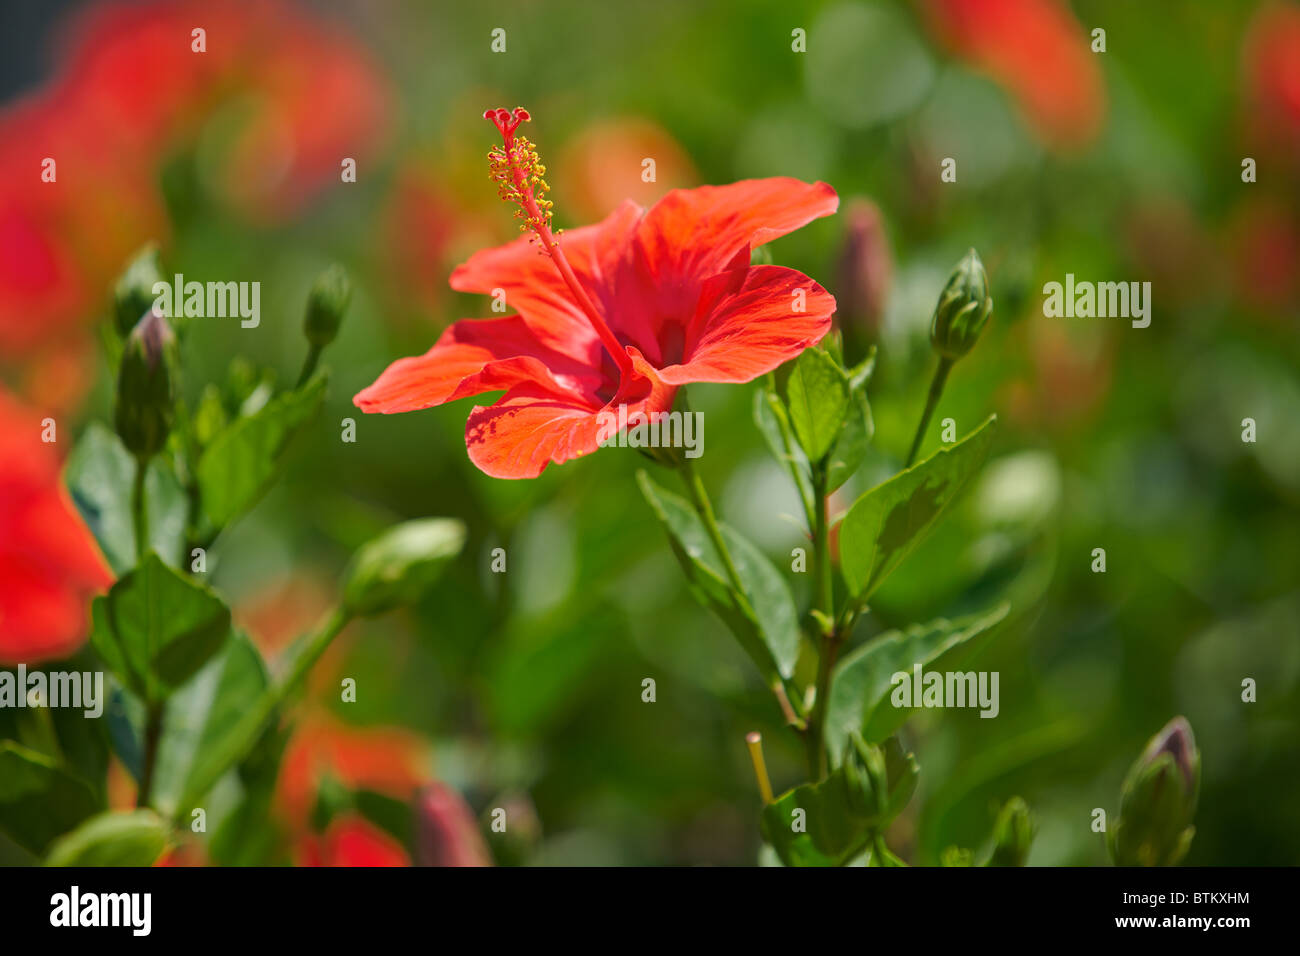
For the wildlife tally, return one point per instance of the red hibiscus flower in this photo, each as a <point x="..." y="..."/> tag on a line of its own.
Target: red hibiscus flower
<point x="49" y="566"/>
<point x="619" y="313"/>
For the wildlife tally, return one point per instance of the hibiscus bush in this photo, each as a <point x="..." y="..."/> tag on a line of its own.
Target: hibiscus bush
<point x="761" y="512"/>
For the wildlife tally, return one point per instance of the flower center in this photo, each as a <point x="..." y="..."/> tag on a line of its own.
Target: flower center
<point x="518" y="172"/>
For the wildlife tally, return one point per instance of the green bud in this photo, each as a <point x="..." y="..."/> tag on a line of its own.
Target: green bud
<point x="133" y="294"/>
<point x="964" y="308"/>
<point x="1012" y="834"/>
<point x="143" y="416"/>
<point x="326" y="303"/>
<point x="1159" y="800"/>
<point x="397" y="568"/>
<point x="879" y="780"/>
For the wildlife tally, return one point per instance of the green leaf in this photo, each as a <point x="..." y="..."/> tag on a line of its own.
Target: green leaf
<point x="244" y="459"/>
<point x="818" y="396"/>
<point x="99" y="476"/>
<point x="200" y="715"/>
<point x="137" y="838"/>
<point x="155" y="628"/>
<point x="773" y="639"/>
<point x="39" y="799"/>
<point x="862" y="682"/>
<point x="832" y="832"/>
<point x="773" y="423"/>
<point x="852" y="443"/>
<point x="887" y="522"/>
<point x="397" y="568"/>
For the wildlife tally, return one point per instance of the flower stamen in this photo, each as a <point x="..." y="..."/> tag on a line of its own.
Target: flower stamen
<point x="520" y="177"/>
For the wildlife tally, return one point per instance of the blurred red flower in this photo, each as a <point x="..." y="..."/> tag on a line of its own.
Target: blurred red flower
<point x="351" y="840"/>
<point x="292" y="97"/>
<point x="606" y="163"/>
<point x="386" y="760"/>
<point x="619" y="313"/>
<point x="1038" y="51"/>
<point x="1271" y="61"/>
<point x="49" y="565"/>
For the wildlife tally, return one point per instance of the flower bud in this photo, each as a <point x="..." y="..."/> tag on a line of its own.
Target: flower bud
<point x="1159" y="800"/>
<point x="964" y="307"/>
<point x="446" y="832"/>
<point x="866" y="268"/>
<point x="133" y="294"/>
<point x="398" y="567"/>
<point x="326" y="303"/>
<point x="143" y="416"/>
<point x="1012" y="834"/>
<point x="878" y="780"/>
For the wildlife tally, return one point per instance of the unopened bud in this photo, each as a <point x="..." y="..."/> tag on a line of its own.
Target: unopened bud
<point x="964" y="308"/>
<point x="866" y="267"/>
<point x="143" y="416"/>
<point x="1012" y="834"/>
<point x="446" y="832"/>
<point x="399" y="566"/>
<point x="326" y="304"/>
<point x="1159" y="800"/>
<point x="133" y="294"/>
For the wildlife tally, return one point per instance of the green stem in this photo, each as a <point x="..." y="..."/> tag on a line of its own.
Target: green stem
<point x="700" y="498"/>
<point x="309" y="365"/>
<point x="822" y="544"/>
<point x="932" y="400"/>
<point x="140" y="510"/>
<point x="152" y="738"/>
<point x="250" y="727"/>
<point x="815" y="741"/>
<point x="829" y="636"/>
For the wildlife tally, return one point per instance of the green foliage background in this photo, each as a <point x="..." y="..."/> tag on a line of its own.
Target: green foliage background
<point x="531" y="681"/>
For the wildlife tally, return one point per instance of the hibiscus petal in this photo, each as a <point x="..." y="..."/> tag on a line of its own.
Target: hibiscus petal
<point x="746" y="324"/>
<point x="533" y="286"/>
<point x="530" y="427"/>
<point x="474" y="356"/>
<point x="694" y="233"/>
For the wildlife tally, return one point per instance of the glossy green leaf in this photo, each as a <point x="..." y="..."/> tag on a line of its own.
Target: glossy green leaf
<point x="39" y="798"/>
<point x="155" y="628"/>
<point x="818" y="396"/>
<point x="99" y="477"/>
<point x="887" y="522"/>
<point x="137" y="838"/>
<point x="852" y="442"/>
<point x="200" y="715"/>
<point x="861" y="686"/>
<point x="773" y="639"/>
<point x="243" y="460"/>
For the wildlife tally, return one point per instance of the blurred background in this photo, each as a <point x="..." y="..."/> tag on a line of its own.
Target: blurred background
<point x="523" y="690"/>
